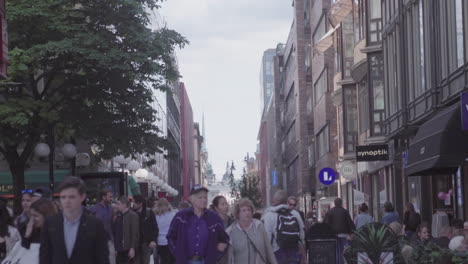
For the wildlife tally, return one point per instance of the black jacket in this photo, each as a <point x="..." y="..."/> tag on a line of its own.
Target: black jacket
<point x="90" y="245"/>
<point x="340" y="221"/>
<point x="149" y="230"/>
<point x="411" y="221"/>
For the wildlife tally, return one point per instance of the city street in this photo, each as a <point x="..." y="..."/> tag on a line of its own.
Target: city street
<point x="233" y="132"/>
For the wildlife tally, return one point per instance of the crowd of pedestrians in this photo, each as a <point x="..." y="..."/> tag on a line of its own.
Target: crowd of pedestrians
<point x="136" y="230"/>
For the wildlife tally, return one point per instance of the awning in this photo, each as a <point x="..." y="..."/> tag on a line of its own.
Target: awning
<point x="326" y="41"/>
<point x="32" y="179"/>
<point x="339" y="10"/>
<point x="440" y="145"/>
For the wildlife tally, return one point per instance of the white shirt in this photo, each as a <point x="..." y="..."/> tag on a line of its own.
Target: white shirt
<point x="164" y="222"/>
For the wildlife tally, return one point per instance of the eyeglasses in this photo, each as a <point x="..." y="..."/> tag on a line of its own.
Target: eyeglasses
<point x="292" y="204"/>
<point x="30" y="191"/>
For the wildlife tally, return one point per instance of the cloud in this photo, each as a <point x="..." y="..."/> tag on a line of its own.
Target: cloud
<point x="221" y="66"/>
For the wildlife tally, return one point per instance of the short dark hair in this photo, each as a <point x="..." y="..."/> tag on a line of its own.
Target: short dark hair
<point x="216" y="201"/>
<point x="124" y="200"/>
<point x="363" y="207"/>
<point x="338" y="202"/>
<point x="73" y="182"/>
<point x="139" y="199"/>
<point x="389" y="207"/>
<point x="422" y="226"/>
<point x="103" y="193"/>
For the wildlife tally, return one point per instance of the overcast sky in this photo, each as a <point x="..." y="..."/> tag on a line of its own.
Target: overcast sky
<point x="221" y="67"/>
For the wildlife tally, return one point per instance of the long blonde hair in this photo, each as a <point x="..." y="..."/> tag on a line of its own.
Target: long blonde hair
<point x="162" y="206"/>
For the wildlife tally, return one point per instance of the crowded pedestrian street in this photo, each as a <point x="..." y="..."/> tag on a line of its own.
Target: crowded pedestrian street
<point x="233" y="132"/>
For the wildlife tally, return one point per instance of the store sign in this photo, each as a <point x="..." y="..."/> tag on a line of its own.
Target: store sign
<point x="372" y="153"/>
<point x="348" y="170"/>
<point x="274" y="178"/>
<point x="464" y="110"/>
<point x="162" y="194"/>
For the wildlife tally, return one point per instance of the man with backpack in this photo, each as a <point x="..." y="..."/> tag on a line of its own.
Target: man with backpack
<point x="286" y="230"/>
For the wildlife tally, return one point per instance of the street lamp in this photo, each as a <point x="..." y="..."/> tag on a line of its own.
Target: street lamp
<point x="122" y="161"/>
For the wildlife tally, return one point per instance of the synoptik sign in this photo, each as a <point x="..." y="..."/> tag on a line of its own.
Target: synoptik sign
<point x="372" y="153"/>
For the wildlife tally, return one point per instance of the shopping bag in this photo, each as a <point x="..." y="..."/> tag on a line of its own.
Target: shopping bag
<point x="21" y="255"/>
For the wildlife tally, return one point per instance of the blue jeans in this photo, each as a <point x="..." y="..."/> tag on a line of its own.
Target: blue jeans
<point x="196" y="262"/>
<point x="341" y="242"/>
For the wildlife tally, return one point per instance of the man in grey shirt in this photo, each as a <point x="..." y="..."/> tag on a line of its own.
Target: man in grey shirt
<point x="73" y="236"/>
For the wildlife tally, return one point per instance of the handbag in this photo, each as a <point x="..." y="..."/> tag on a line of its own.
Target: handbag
<point x="253" y="245"/>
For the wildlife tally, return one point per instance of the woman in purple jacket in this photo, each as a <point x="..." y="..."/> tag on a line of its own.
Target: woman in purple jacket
<point x="197" y="235"/>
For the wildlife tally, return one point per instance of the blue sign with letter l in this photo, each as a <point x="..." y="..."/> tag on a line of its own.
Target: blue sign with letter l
<point x="327" y="176"/>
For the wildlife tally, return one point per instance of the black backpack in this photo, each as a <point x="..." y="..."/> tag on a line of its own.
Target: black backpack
<point x="287" y="229"/>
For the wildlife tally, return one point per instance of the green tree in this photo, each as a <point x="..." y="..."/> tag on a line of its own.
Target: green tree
<point x="88" y="69"/>
<point x="248" y="187"/>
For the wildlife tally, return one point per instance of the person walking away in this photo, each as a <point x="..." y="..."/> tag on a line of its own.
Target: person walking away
<point x="148" y="230"/>
<point x="411" y="220"/>
<point x="342" y="225"/>
<point x="220" y="206"/>
<point x="292" y="203"/>
<point x="363" y="218"/>
<point x="249" y="242"/>
<point x="9" y="235"/>
<point x="197" y="235"/>
<point x="285" y="230"/>
<point x="73" y="236"/>
<point x="164" y="216"/>
<point x="126" y="232"/>
<point x="103" y="212"/>
<point x="390" y="214"/>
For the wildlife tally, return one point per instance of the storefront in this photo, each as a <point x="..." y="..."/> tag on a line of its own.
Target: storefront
<point x="436" y="165"/>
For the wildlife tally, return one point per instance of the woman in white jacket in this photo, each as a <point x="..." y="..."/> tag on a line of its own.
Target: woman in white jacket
<point x="9" y="235"/>
<point x="249" y="243"/>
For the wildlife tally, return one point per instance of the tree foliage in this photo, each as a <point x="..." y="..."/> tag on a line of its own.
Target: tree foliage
<point x="89" y="69"/>
<point x="247" y="187"/>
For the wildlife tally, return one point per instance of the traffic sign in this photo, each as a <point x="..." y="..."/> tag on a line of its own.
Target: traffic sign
<point x="327" y="176"/>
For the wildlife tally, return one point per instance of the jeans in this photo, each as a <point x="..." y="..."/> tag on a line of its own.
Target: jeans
<point x="341" y="242"/>
<point x="111" y="247"/>
<point x="155" y="255"/>
<point x="196" y="262"/>
<point x="288" y="256"/>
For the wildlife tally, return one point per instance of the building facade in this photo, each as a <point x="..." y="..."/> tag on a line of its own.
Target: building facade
<point x="187" y="142"/>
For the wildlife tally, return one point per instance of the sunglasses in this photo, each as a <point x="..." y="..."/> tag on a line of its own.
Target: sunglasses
<point x="30" y="191"/>
<point x="292" y="204"/>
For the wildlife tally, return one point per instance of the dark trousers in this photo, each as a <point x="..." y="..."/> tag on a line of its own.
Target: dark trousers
<point x="122" y="258"/>
<point x="142" y="255"/>
<point x="165" y="255"/>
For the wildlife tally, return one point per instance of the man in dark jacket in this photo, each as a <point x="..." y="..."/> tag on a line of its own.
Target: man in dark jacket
<point x="126" y="232"/>
<point x="148" y="230"/>
<point x="197" y="234"/>
<point x="341" y="224"/>
<point x="73" y="236"/>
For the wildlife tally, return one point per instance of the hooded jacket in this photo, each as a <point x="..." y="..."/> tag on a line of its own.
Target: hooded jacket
<point x="270" y="218"/>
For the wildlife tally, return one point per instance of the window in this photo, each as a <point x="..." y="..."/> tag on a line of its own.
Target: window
<point x="363" y="106"/>
<point x="338" y="55"/>
<point x="350" y="118"/>
<point x="320" y="86"/>
<point x="459" y="31"/>
<point x="359" y="14"/>
<point x="291" y="136"/>
<point x="392" y="70"/>
<point x="376" y="85"/>
<point x="348" y="46"/>
<point x="323" y="141"/>
<point x="375" y="22"/>
<point x="320" y="30"/>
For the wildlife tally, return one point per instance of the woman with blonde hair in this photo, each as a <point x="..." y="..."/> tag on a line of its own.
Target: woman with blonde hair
<point x="164" y="215"/>
<point x="249" y="242"/>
